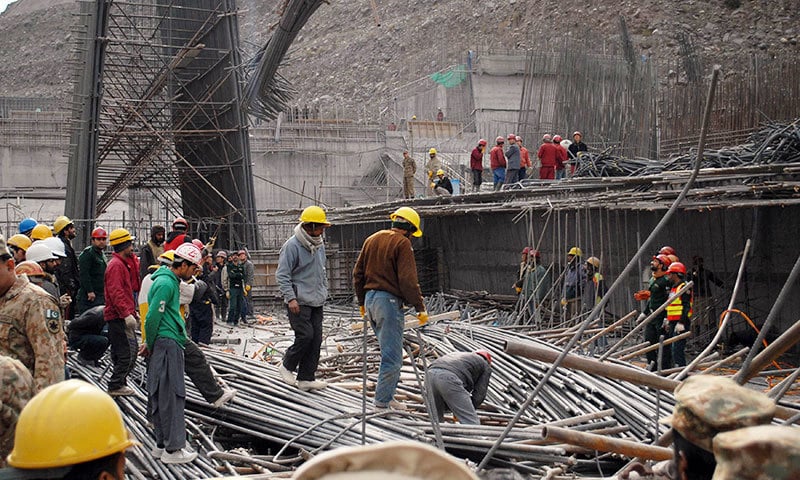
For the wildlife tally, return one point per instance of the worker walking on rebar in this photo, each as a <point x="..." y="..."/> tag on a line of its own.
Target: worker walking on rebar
<point x="476" y="165"/>
<point x="303" y="283"/>
<point x="654" y="296"/>
<point x="384" y="278"/>
<point x="409" y="170"/>
<point x="497" y="162"/>
<point x="458" y="382"/>
<point x="574" y="284"/>
<point x="679" y="313"/>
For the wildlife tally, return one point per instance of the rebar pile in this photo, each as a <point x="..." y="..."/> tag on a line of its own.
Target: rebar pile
<point x="773" y="144"/>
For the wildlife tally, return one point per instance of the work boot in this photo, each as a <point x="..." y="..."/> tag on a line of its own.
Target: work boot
<point x="123" y="391"/>
<point x="286" y="375"/>
<point x="179" y="456"/>
<point x="227" y="394"/>
<point x="308" y="385"/>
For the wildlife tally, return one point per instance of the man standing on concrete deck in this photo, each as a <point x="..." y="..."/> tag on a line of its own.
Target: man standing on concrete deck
<point x="409" y="170"/>
<point x="513" y="160"/>
<point x="476" y="165"/>
<point x="303" y="283"/>
<point x="655" y="295"/>
<point x="497" y="162"/>
<point x="385" y="277"/>
<point x="459" y="381"/>
<point x="548" y="155"/>
<point x="524" y="159"/>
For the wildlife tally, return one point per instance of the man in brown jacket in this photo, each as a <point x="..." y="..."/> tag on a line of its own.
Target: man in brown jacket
<point x="385" y="277"/>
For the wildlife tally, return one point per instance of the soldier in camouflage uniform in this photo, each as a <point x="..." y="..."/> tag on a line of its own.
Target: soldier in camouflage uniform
<point x="767" y="452"/>
<point x="30" y="325"/>
<point x="16" y="388"/>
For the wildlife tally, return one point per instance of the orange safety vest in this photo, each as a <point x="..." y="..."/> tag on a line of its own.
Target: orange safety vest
<point x="675" y="309"/>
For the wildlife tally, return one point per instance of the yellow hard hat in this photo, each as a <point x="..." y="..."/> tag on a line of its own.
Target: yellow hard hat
<point x="66" y="424"/>
<point x="594" y="261"/>
<point x="20" y="241"/>
<point x="439" y="172"/>
<point x="411" y="216"/>
<point x="575" y="251"/>
<point x="119" y="236"/>
<point x="432" y="151"/>
<point x="61" y="223"/>
<point x="167" y="258"/>
<point x="314" y="214"/>
<point x="40" y="232"/>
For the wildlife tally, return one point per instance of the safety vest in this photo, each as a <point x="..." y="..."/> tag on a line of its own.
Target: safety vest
<point x="675" y="309"/>
<point x="596" y="279"/>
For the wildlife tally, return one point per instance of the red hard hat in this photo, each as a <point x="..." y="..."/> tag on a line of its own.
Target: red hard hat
<point x="667" y="250"/>
<point x="526" y="249"/>
<point x="481" y="142"/>
<point x="180" y="221"/>
<point x="535" y="253"/>
<point x="557" y="138"/>
<point x="197" y="243"/>
<point x="511" y="136"/>
<point x="546" y="137"/>
<point x="500" y="140"/>
<point x="485" y="354"/>
<point x="663" y="259"/>
<point x="677" y="267"/>
<point x="99" y="233"/>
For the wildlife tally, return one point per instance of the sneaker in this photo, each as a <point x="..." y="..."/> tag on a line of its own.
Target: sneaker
<point x="179" y="456"/>
<point x="227" y="395"/>
<point x="308" y="385"/>
<point x="156" y="452"/>
<point x="286" y="375"/>
<point x="122" y="392"/>
<point x="393" y="405"/>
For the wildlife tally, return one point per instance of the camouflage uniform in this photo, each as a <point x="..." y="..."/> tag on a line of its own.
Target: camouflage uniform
<point x="16" y="388"/>
<point x="766" y="452"/>
<point x="706" y="405"/>
<point x="31" y="331"/>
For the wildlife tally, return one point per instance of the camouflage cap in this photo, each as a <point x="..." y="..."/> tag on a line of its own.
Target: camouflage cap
<point x="3" y="247"/>
<point x="758" y="453"/>
<point x="706" y="405"/>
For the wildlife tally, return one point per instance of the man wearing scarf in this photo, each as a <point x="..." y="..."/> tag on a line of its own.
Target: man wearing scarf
<point x="303" y="284"/>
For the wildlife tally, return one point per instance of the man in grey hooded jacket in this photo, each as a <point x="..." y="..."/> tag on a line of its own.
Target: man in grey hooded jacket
<point x="303" y="283"/>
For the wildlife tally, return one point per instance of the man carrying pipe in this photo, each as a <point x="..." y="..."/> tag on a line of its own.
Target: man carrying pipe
<point x="458" y="381"/>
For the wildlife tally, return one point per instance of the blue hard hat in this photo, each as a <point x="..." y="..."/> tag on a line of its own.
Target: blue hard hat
<point x="27" y="225"/>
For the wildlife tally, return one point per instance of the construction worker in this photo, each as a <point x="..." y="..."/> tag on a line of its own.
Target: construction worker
<point x="409" y="170"/>
<point x="151" y="250"/>
<point x="548" y="156"/>
<point x="165" y="339"/>
<point x="70" y="430"/>
<point x="755" y="453"/>
<point x="576" y="149"/>
<point x="595" y="284"/>
<point x="385" y="278"/>
<point x="441" y="184"/>
<point x="536" y="283"/>
<point x="120" y="312"/>
<point x="31" y="324"/>
<point x="67" y="273"/>
<point x="178" y="235"/>
<point x="216" y="279"/>
<point x="249" y="280"/>
<point x="392" y="460"/>
<point x="679" y="313"/>
<point x="27" y="225"/>
<point x="92" y="266"/>
<point x="459" y="382"/>
<point x="432" y="166"/>
<point x="655" y="295"/>
<point x="43" y="256"/>
<point x="18" y="244"/>
<point x="303" y="283"/>
<point x="86" y="335"/>
<point x="234" y="289"/>
<point x="524" y="159"/>
<point x="497" y="162"/>
<point x="16" y="388"/>
<point x="561" y="158"/>
<point x="476" y="165"/>
<point x="513" y="160"/>
<point x="574" y="283"/>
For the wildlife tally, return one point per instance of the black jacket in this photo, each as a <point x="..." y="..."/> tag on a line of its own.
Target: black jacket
<point x="444" y="182"/>
<point x="90" y="322"/>
<point x="67" y="274"/>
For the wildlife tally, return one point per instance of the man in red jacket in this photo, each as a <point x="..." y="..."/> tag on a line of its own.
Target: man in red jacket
<point x="497" y="162"/>
<point x="178" y="234"/>
<point x="476" y="165"/>
<point x="121" y="310"/>
<point x="548" y="155"/>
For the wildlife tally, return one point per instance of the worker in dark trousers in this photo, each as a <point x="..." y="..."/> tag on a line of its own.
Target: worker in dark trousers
<point x="679" y="314"/>
<point x="87" y="337"/>
<point x="655" y="295"/>
<point x="459" y="381"/>
<point x="234" y="290"/>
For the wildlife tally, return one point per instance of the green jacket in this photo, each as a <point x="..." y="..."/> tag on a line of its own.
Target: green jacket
<point x="164" y="318"/>
<point x="659" y="292"/>
<point x="92" y="267"/>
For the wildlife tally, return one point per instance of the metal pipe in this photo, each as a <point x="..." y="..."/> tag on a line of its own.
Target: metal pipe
<point x="781" y="344"/>
<point x="607" y="444"/>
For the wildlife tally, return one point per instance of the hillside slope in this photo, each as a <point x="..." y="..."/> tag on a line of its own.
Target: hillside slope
<point x="360" y="56"/>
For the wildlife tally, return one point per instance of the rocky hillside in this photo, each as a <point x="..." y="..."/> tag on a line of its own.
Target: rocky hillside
<point x="360" y="55"/>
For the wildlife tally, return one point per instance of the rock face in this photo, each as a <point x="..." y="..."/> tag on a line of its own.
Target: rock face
<point x="357" y="57"/>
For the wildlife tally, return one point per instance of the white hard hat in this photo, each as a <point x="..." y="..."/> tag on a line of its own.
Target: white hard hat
<point x="39" y="252"/>
<point x="56" y="245"/>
